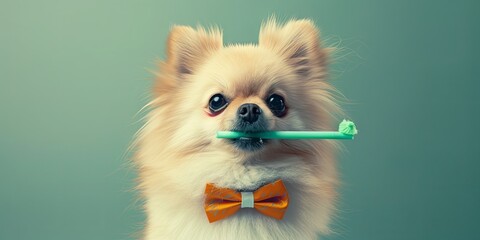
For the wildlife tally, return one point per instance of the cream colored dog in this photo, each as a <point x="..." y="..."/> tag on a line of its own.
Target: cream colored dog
<point x="204" y="87"/>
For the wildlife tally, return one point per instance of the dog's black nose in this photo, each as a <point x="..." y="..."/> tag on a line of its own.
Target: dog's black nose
<point x="249" y="112"/>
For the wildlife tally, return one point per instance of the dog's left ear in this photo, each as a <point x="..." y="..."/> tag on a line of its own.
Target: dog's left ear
<point x="187" y="48"/>
<point x="298" y="42"/>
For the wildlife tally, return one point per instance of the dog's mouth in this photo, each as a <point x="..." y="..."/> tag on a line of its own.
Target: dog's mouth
<point x="249" y="143"/>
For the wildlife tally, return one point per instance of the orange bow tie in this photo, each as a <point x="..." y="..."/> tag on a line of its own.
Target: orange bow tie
<point x="270" y="200"/>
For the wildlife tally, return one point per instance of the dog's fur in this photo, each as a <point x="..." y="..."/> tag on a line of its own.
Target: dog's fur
<point x="178" y="152"/>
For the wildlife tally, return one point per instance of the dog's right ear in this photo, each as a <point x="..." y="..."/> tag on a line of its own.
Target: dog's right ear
<point x="188" y="47"/>
<point x="298" y="42"/>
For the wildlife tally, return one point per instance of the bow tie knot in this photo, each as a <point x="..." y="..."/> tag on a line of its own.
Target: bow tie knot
<point x="270" y="200"/>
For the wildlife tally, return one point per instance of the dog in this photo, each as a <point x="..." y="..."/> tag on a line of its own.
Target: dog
<point x="203" y="87"/>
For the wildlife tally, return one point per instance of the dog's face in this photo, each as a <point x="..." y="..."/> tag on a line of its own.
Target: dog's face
<point x="249" y="92"/>
<point x="277" y="85"/>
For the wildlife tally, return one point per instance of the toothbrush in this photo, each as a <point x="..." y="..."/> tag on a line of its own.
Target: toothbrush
<point x="346" y="130"/>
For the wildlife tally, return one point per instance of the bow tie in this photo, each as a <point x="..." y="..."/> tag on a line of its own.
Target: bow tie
<point x="270" y="200"/>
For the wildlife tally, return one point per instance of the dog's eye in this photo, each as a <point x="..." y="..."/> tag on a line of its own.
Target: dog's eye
<point x="217" y="103"/>
<point x="276" y="103"/>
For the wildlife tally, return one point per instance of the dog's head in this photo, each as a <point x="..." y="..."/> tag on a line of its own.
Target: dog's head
<point x="279" y="84"/>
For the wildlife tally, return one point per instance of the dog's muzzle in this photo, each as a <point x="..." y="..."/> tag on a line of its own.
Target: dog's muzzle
<point x="250" y="118"/>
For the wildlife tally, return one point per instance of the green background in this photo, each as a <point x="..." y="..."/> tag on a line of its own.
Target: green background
<point x="74" y="74"/>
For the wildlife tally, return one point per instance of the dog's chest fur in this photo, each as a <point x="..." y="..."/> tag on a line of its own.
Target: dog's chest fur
<point x="173" y="216"/>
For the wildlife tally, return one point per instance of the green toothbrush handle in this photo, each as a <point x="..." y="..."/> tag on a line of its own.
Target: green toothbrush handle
<point x="286" y="135"/>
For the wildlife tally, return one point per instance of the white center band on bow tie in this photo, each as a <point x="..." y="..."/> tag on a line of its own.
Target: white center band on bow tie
<point x="247" y="200"/>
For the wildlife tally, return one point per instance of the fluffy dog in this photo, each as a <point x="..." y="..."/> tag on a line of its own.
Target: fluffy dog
<point x="204" y="87"/>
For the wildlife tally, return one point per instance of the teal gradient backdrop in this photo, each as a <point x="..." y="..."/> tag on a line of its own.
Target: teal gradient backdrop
<point x="73" y="75"/>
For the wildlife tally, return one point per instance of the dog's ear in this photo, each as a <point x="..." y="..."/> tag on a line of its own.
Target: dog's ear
<point x="188" y="47"/>
<point x="297" y="41"/>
